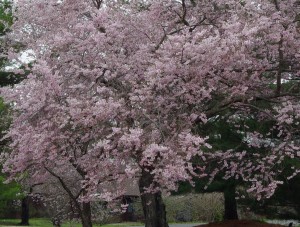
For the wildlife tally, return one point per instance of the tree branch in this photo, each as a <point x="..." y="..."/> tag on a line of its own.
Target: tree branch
<point x="97" y="3"/>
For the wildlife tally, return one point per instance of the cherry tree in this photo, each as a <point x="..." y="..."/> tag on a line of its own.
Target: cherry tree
<point x="132" y="83"/>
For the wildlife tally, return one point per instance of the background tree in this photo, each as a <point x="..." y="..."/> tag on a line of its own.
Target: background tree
<point x="6" y="21"/>
<point x="10" y="191"/>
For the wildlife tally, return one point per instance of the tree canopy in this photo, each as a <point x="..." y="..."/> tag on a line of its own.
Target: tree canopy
<point x="124" y="89"/>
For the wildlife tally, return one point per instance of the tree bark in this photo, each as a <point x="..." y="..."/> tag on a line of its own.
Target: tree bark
<point x="86" y="217"/>
<point x="153" y="205"/>
<point x="56" y="222"/>
<point x="25" y="211"/>
<point x="230" y="202"/>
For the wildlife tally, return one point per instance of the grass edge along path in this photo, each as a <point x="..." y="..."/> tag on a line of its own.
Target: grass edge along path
<point x="44" y="222"/>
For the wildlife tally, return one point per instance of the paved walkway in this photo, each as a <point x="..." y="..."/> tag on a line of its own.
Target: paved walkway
<point x="180" y="225"/>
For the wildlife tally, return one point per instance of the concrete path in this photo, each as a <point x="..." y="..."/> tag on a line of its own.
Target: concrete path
<point x="180" y="225"/>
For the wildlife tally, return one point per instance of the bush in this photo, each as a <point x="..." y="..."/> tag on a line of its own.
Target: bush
<point x="206" y="207"/>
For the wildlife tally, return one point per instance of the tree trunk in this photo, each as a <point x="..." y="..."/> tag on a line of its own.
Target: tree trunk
<point x="25" y="211"/>
<point x="230" y="202"/>
<point x="86" y="215"/>
<point x="56" y="222"/>
<point x="153" y="205"/>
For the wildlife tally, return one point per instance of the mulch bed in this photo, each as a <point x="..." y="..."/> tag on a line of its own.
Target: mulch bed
<point x="239" y="223"/>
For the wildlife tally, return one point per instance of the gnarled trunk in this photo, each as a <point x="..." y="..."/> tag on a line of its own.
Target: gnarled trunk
<point x="230" y="202"/>
<point x="153" y="205"/>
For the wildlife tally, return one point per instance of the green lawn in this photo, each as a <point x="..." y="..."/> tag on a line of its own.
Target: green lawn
<point x="42" y="222"/>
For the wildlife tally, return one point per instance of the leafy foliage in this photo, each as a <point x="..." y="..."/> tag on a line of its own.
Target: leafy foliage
<point x="12" y="191"/>
<point x="6" y="17"/>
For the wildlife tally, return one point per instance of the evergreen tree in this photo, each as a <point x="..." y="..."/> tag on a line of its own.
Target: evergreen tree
<point x="11" y="191"/>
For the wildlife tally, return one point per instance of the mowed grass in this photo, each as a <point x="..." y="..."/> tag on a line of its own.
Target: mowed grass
<point x="43" y="222"/>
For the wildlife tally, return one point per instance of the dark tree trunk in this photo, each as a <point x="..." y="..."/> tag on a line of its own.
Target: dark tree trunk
<point x="25" y="211"/>
<point x="86" y="215"/>
<point x="153" y="205"/>
<point x="56" y="222"/>
<point x="230" y="202"/>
